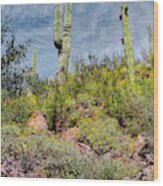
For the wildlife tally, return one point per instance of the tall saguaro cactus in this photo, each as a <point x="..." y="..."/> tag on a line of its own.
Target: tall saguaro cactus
<point x="62" y="41"/>
<point x="34" y="61"/>
<point x="127" y="41"/>
<point x="150" y="35"/>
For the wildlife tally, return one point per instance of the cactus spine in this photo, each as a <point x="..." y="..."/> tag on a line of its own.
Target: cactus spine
<point x="62" y="41"/>
<point x="127" y="41"/>
<point x="34" y="61"/>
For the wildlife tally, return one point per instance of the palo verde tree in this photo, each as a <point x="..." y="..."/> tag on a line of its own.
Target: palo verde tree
<point x="127" y="41"/>
<point x="62" y="41"/>
<point x="13" y="55"/>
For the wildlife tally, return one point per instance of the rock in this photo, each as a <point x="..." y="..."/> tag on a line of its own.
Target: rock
<point x="139" y="146"/>
<point x="70" y="135"/>
<point x="83" y="148"/>
<point x="88" y="112"/>
<point x="81" y="109"/>
<point x="18" y="168"/>
<point x="37" y="121"/>
<point x="148" y="173"/>
<point x="140" y="143"/>
<point x="139" y="176"/>
<point x="149" y="159"/>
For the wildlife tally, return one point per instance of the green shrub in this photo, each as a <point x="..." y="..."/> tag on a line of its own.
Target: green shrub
<point x="104" y="135"/>
<point x="18" y="109"/>
<point x="41" y="155"/>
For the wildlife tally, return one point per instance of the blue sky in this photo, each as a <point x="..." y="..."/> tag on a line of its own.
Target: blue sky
<point x="96" y="29"/>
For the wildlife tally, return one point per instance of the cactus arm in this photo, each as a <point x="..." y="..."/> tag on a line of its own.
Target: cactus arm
<point x="127" y="42"/>
<point x="57" y="29"/>
<point x="66" y="46"/>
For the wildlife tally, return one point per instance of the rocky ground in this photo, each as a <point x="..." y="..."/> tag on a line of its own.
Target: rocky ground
<point x="141" y="157"/>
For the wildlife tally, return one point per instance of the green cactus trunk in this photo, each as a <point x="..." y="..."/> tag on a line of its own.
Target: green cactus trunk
<point x="150" y="35"/>
<point x="127" y="42"/>
<point x="57" y="34"/>
<point x="34" y="61"/>
<point x="62" y="43"/>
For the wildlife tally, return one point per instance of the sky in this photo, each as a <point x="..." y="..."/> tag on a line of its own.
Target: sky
<point x="96" y="29"/>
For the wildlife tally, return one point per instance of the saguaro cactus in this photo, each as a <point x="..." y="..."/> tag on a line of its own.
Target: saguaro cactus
<point x="126" y="41"/>
<point x="62" y="41"/>
<point x="34" y="61"/>
<point x="150" y="35"/>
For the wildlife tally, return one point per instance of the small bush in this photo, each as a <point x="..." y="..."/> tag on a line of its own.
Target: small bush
<point x="18" y="109"/>
<point x="104" y="135"/>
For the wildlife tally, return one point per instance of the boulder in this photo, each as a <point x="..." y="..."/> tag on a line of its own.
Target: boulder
<point x="70" y="135"/>
<point x="37" y="121"/>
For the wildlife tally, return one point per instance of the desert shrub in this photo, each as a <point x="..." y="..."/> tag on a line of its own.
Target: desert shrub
<point x="9" y="137"/>
<point x="87" y="167"/>
<point x="104" y="135"/>
<point x="60" y="105"/>
<point x="18" y="109"/>
<point x="85" y="100"/>
<point x="41" y="155"/>
<point x="109" y="87"/>
<point x="134" y="112"/>
<point x="132" y="104"/>
<point x="53" y="106"/>
<point x="21" y="151"/>
<point x="113" y="170"/>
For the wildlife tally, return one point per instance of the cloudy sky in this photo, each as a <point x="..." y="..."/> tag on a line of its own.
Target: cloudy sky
<point x="96" y="29"/>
